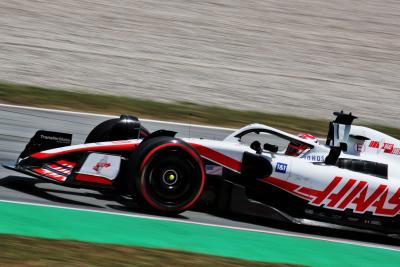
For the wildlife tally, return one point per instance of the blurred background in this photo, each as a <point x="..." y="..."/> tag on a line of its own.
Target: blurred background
<point x="295" y="57"/>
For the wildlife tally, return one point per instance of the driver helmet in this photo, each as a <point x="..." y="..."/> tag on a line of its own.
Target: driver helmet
<point x="308" y="137"/>
<point x="295" y="149"/>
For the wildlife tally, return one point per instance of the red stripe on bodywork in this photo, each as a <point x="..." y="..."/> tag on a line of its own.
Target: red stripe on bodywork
<point x="66" y="163"/>
<point x="352" y="195"/>
<point x="92" y="179"/>
<point x="335" y="198"/>
<point x="57" y="169"/>
<point x="289" y="187"/>
<point x="218" y="157"/>
<point x="304" y="192"/>
<point x="281" y="183"/>
<point x="116" y="146"/>
<point x="325" y="193"/>
<point x="49" y="174"/>
<point x="309" y="191"/>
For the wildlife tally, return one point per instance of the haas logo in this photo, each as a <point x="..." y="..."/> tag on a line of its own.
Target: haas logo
<point x="342" y="194"/>
<point x="358" y="196"/>
<point x="100" y="165"/>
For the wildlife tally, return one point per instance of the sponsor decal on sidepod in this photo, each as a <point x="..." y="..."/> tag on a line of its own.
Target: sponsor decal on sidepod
<point x="281" y="167"/>
<point x="355" y="195"/>
<point x="386" y="147"/>
<point x="317" y="158"/>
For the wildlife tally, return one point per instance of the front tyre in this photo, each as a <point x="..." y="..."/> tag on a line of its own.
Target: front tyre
<point x="170" y="178"/>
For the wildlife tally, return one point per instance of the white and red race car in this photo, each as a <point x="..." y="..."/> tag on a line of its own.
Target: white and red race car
<point x="352" y="180"/>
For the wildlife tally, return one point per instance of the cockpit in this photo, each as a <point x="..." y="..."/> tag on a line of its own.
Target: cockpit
<point x="270" y="140"/>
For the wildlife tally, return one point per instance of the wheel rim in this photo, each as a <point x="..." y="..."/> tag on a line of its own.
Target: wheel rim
<point x="170" y="177"/>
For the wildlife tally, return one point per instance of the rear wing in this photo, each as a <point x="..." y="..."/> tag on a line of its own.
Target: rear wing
<point x="338" y="135"/>
<point x="339" y="129"/>
<point x="44" y="140"/>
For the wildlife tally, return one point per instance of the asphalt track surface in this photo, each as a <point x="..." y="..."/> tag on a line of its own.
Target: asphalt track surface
<point x="18" y="124"/>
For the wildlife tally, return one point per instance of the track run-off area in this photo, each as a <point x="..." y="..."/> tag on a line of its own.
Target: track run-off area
<point x="37" y="208"/>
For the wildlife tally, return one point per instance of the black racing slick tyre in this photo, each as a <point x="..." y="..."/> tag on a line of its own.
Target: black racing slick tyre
<point x="169" y="175"/>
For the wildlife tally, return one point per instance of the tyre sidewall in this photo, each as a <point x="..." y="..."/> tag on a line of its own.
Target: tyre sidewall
<point x="142" y="158"/>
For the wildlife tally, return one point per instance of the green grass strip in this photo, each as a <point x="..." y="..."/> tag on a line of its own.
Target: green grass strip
<point x="176" y="111"/>
<point x="38" y="252"/>
<point x="61" y="223"/>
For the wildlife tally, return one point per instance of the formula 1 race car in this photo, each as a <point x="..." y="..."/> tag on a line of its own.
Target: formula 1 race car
<point x="351" y="180"/>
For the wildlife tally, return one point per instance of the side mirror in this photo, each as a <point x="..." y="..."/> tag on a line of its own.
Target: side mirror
<point x="271" y="148"/>
<point x="256" y="146"/>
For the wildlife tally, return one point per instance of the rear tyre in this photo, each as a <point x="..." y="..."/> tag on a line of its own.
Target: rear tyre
<point x="169" y="178"/>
